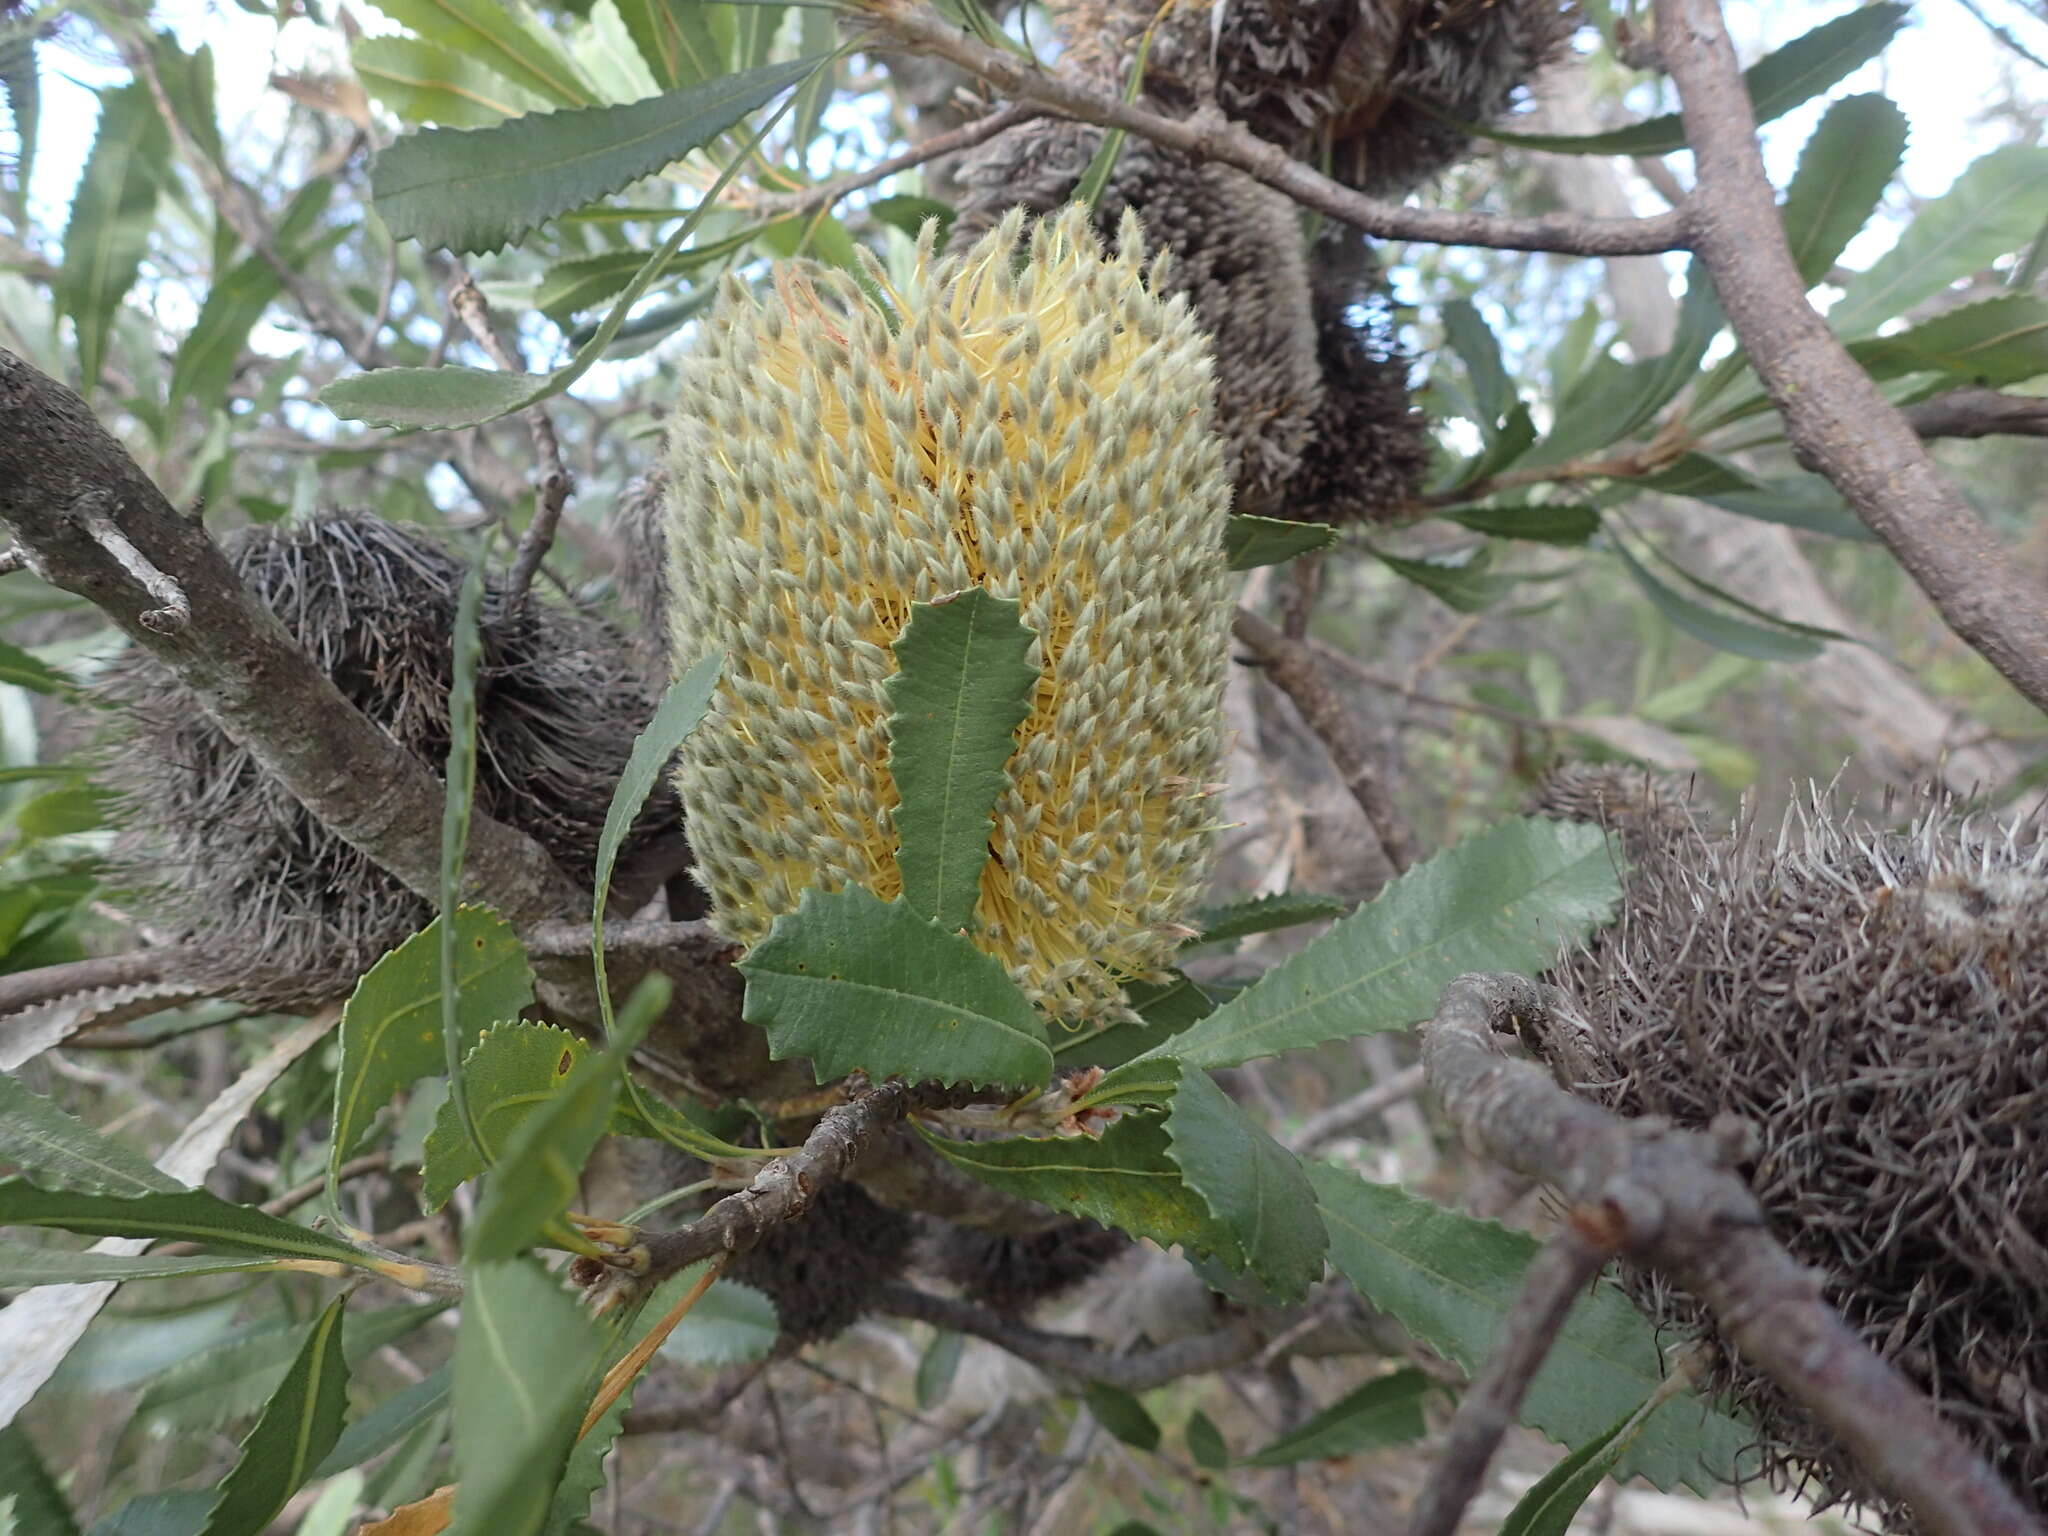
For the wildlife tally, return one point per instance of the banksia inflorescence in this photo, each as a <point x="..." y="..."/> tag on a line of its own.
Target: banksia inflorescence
<point x="1875" y="1004"/>
<point x="1038" y="425"/>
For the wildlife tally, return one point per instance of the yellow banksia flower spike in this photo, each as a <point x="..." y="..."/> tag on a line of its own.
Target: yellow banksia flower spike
<point x="1038" y="424"/>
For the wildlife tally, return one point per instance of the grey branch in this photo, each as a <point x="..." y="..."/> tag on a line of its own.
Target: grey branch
<point x="1979" y="413"/>
<point x="1211" y="138"/>
<point x="1294" y="670"/>
<point x="1665" y="1198"/>
<point x="1079" y="1359"/>
<point x="1838" y="420"/>
<point x="784" y="1189"/>
<point x="61" y="475"/>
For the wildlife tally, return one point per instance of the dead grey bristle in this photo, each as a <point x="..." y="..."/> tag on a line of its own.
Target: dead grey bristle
<point x="1874" y="1002"/>
<point x="220" y="856"/>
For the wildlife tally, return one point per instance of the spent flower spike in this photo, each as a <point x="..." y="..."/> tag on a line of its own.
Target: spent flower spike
<point x="1039" y="424"/>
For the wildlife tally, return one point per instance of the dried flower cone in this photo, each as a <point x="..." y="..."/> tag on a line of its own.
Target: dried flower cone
<point x="1875" y="1004"/>
<point x="1039" y="426"/>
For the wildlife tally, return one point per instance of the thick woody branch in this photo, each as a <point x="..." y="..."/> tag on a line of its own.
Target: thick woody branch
<point x="64" y="481"/>
<point x="1665" y="1198"/>
<point x="784" y="1189"/>
<point x="1079" y="1359"/>
<point x="1838" y="420"/>
<point x="1211" y="138"/>
<point x="1294" y="670"/>
<point x="1979" y="413"/>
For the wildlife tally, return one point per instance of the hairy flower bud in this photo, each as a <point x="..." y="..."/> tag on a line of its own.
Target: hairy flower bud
<point x="1038" y="424"/>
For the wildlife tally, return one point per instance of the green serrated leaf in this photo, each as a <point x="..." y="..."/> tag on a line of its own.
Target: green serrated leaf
<point x="112" y="213"/>
<point x="964" y="682"/>
<point x="1461" y="581"/>
<point x="391" y="1026"/>
<point x="1545" y="523"/>
<point x="1843" y="171"/>
<point x="1252" y="1185"/>
<point x="1122" y="1415"/>
<point x="1777" y="83"/>
<point x="1251" y="541"/>
<point x="1385" y="1411"/>
<point x="477" y="189"/>
<point x="388" y="1423"/>
<point x="525" y="1357"/>
<point x="2000" y="341"/>
<point x="730" y="1325"/>
<point x="1808" y="502"/>
<point x="1124" y="1179"/>
<point x="506" y="39"/>
<point x="1493" y="392"/>
<point x="861" y="985"/>
<point x="39" y="1505"/>
<point x="514" y="1069"/>
<point x="427" y="83"/>
<point x="39" y="1137"/>
<point x="1263" y="914"/>
<point x="1503" y="899"/>
<point x="1451" y="1279"/>
<point x="677" y="39"/>
<point x="537" y="1176"/>
<point x="1993" y="208"/>
<point x="1163" y="1008"/>
<point x="189" y="1215"/>
<point x="298" y="1428"/>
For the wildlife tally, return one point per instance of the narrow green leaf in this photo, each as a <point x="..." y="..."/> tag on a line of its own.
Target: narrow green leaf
<point x="477" y="189"/>
<point x="1124" y="1178"/>
<point x="1163" y="1008"/>
<point x="1205" y="1442"/>
<point x="388" y="1423"/>
<point x="180" y="1513"/>
<point x="1250" y="541"/>
<point x="1451" y="1279"/>
<point x="1843" y="171"/>
<point x="39" y="1506"/>
<point x="62" y="812"/>
<point x="43" y="1140"/>
<point x="1808" y="502"/>
<point x="1088" y="191"/>
<point x="1385" y="1411"/>
<point x="23" y="670"/>
<point x="937" y="1366"/>
<point x="861" y="985"/>
<point x="299" y="1427"/>
<point x="1777" y="83"/>
<point x="1718" y="629"/>
<point x="390" y="1028"/>
<point x="1251" y="1184"/>
<point x="1545" y="523"/>
<point x="964" y="682"/>
<point x="1548" y="1508"/>
<point x="910" y="214"/>
<point x="23" y="1265"/>
<point x="525" y="1357"/>
<point x="676" y="40"/>
<point x="1264" y="914"/>
<point x="112" y="213"/>
<point x="1122" y="1415"/>
<point x="536" y="1179"/>
<point x="458" y="801"/>
<point x="583" y="282"/>
<point x="190" y="1215"/>
<point x="1993" y="209"/>
<point x="1503" y="899"/>
<point x="505" y="39"/>
<point x="1461" y="581"/>
<point x="1493" y="392"/>
<point x="427" y="83"/>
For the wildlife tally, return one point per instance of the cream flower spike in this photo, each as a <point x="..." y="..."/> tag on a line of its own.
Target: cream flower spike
<point x="1037" y="424"/>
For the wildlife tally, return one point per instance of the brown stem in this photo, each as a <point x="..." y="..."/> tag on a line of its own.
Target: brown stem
<point x="1208" y="137"/>
<point x="47" y="983"/>
<point x="826" y="194"/>
<point x="1979" y="413"/>
<point x="1293" y="668"/>
<point x="1837" y="418"/>
<point x="1557" y="1278"/>
<point x="60" y="471"/>
<point x="1665" y="1197"/>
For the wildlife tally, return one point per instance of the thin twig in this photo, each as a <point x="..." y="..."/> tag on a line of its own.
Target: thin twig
<point x="551" y="493"/>
<point x="1979" y="413"/>
<point x="1326" y="1126"/>
<point x="809" y="199"/>
<point x="1209" y="137"/>
<point x="1293" y="669"/>
<point x="175" y="611"/>
<point x="1665" y="1197"/>
<point x="1837" y="418"/>
<point x="1556" y="1279"/>
<point x="699" y="1412"/>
